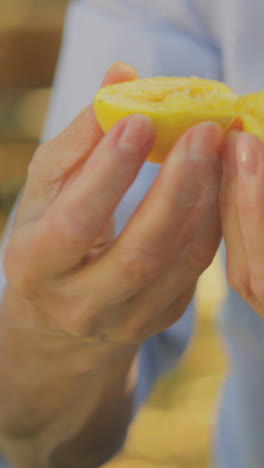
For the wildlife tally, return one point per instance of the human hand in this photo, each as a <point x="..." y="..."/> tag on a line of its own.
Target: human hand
<point x="63" y="260"/>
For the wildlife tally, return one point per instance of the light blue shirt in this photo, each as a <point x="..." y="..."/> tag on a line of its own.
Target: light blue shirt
<point x="218" y="39"/>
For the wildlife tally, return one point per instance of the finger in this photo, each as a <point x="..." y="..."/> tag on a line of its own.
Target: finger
<point x="84" y="207"/>
<point x="63" y="155"/>
<point x="177" y="207"/>
<point x="250" y="199"/>
<point x="119" y="72"/>
<point x="236" y="256"/>
<point x="157" y="309"/>
<point x="79" y="139"/>
<point x="183" y="198"/>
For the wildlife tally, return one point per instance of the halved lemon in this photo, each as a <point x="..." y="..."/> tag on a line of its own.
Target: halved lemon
<point x="174" y="105"/>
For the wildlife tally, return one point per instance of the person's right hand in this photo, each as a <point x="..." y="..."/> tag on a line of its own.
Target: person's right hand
<point x="63" y="259"/>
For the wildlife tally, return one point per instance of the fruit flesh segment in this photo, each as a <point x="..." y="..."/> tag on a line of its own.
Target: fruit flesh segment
<point x="174" y="105"/>
<point x="251" y="107"/>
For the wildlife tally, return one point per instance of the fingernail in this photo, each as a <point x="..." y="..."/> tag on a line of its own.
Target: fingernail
<point x="236" y="124"/>
<point x="137" y="134"/>
<point x="205" y="141"/>
<point x="247" y="155"/>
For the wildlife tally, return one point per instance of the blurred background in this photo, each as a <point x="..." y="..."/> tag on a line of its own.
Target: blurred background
<point x="174" y="429"/>
<point x="30" y="35"/>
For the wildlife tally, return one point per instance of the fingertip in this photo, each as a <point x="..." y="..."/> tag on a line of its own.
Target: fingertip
<point x="204" y="138"/>
<point x="210" y="129"/>
<point x="119" y="72"/>
<point x="134" y="135"/>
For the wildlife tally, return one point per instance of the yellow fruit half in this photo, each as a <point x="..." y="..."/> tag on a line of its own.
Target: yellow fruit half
<point x="174" y="105"/>
<point x="251" y="108"/>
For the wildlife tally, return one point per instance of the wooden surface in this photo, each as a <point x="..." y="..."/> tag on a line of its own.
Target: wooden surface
<point x="14" y="160"/>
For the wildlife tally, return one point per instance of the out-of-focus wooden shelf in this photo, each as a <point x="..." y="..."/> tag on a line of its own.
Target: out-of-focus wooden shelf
<point x="30" y="42"/>
<point x="14" y="159"/>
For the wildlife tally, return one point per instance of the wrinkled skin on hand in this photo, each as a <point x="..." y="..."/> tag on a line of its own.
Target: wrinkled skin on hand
<point x="63" y="259"/>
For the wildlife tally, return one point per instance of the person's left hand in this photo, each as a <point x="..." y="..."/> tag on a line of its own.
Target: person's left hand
<point x="242" y="211"/>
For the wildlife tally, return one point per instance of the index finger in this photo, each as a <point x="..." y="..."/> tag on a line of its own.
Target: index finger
<point x="78" y="140"/>
<point x="58" y="158"/>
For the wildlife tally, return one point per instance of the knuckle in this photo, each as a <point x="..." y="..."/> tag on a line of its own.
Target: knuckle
<point x="69" y="229"/>
<point x="88" y="323"/>
<point x="199" y="259"/>
<point x="139" y="266"/>
<point x="146" y="330"/>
